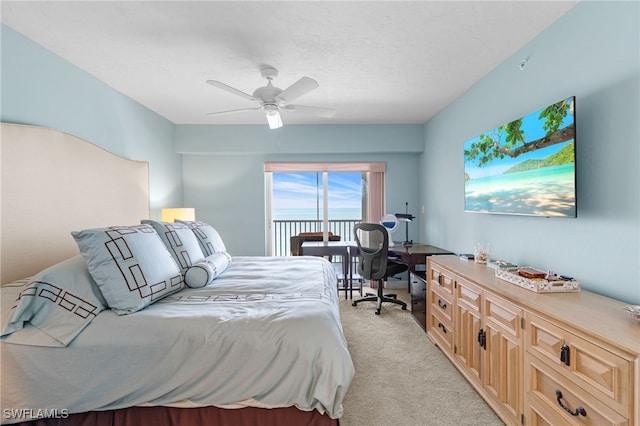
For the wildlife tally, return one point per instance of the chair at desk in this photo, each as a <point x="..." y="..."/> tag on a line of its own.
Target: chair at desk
<point x="373" y="245"/>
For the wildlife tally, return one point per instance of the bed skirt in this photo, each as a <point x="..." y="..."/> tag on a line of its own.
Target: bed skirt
<point x="210" y="416"/>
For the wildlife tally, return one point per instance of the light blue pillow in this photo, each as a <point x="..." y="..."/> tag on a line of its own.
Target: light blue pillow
<point x="210" y="240"/>
<point x="131" y="265"/>
<point x="54" y="306"/>
<point x="203" y="273"/>
<point x="180" y="241"/>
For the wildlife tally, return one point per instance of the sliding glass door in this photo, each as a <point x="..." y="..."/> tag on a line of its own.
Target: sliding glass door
<point x="327" y="203"/>
<point x="324" y="198"/>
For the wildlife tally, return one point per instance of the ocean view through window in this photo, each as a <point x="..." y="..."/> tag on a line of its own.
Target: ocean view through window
<point x="300" y="195"/>
<point x="299" y="200"/>
<point x="316" y="196"/>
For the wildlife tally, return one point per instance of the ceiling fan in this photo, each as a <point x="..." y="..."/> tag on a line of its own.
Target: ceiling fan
<point x="272" y="99"/>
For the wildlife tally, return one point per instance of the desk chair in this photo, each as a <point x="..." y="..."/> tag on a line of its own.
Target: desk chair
<point x="373" y="245"/>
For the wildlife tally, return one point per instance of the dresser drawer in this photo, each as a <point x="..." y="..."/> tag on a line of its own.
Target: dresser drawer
<point x="503" y="314"/>
<point x="438" y="277"/>
<point x="604" y="374"/>
<point x="441" y="301"/>
<point x="468" y="293"/>
<point x="440" y="329"/>
<point x="551" y="400"/>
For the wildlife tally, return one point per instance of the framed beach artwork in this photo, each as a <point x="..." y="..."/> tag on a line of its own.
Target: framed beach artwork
<point x="525" y="167"/>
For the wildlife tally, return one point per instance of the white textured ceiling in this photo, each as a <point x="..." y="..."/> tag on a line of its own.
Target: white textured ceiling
<point x="376" y="62"/>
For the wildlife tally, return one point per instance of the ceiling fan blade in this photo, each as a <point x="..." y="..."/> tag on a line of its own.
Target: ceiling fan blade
<point x="297" y="89"/>
<point x="230" y="89"/>
<point x="234" y="110"/>
<point x="311" y="110"/>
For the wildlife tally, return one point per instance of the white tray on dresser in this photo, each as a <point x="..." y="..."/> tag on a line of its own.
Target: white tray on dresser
<point x="539" y="285"/>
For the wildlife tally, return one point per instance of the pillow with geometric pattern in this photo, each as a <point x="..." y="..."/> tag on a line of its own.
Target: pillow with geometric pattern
<point x="54" y="306"/>
<point x="210" y="240"/>
<point x="131" y="265"/>
<point x="180" y="241"/>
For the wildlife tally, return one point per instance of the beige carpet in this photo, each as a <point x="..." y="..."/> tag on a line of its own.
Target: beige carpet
<point x="401" y="378"/>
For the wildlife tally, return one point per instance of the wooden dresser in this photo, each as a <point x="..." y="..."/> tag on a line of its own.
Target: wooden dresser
<point x="536" y="358"/>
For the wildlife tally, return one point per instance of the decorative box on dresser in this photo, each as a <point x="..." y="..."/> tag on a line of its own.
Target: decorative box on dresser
<point x="536" y="358"/>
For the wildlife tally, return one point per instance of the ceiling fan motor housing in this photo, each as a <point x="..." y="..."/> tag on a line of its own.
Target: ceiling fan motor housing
<point x="269" y="92"/>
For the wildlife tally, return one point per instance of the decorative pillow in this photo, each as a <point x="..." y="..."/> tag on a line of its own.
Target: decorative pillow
<point x="203" y="273"/>
<point x="180" y="241"/>
<point x="131" y="265"/>
<point x="54" y="306"/>
<point x="210" y="240"/>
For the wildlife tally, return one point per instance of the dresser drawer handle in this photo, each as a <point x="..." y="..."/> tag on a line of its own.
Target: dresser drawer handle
<point x="565" y="355"/>
<point x="442" y="305"/>
<point x="444" y="330"/>
<point x="579" y="411"/>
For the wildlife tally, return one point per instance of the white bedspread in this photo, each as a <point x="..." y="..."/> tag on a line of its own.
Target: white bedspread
<point x="267" y="333"/>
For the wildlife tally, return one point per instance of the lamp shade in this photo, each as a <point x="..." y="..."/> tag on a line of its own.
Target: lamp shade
<point x="182" y="213"/>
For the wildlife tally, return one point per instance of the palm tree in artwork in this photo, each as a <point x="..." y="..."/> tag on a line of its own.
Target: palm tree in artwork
<point x="510" y="139"/>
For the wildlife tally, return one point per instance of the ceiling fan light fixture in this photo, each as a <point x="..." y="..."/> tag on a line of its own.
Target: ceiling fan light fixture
<point x="273" y="116"/>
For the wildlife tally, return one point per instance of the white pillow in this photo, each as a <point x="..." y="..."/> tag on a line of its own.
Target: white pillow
<point x="54" y="306"/>
<point x="210" y="240"/>
<point x="180" y="241"/>
<point x="131" y="265"/>
<point x="203" y="273"/>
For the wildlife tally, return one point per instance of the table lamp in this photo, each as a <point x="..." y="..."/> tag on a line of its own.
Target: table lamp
<point x="182" y="213"/>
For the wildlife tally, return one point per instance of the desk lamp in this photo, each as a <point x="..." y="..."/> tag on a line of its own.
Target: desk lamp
<point x="406" y="218"/>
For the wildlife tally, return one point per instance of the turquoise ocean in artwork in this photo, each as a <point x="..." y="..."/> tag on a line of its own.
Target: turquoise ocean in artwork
<point x="545" y="191"/>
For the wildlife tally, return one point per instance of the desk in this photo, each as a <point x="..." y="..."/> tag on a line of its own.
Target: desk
<point x="325" y="248"/>
<point x="415" y="254"/>
<point x="334" y="248"/>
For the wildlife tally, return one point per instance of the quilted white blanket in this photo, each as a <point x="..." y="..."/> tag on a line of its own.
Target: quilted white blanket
<point x="265" y="333"/>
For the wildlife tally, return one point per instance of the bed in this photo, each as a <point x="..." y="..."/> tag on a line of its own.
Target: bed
<point x="250" y="340"/>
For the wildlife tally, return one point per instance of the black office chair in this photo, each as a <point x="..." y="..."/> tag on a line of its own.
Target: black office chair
<point x="373" y="245"/>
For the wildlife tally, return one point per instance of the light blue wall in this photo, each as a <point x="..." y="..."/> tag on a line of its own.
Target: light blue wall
<point x="42" y="89"/>
<point x="224" y="169"/>
<point x="593" y="52"/>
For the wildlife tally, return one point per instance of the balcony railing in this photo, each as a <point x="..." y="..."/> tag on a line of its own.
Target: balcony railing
<point x="284" y="229"/>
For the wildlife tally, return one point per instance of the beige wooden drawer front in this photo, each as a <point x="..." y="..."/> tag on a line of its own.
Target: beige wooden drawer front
<point x="552" y="400"/>
<point x="605" y="375"/>
<point x="503" y="313"/>
<point x="442" y="302"/>
<point x="441" y="329"/>
<point x="441" y="279"/>
<point x="468" y="293"/>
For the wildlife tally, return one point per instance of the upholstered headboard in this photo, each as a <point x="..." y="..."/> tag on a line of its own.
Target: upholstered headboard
<point x="54" y="183"/>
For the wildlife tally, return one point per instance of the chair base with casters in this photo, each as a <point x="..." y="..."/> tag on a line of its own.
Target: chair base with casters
<point x="380" y="297"/>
